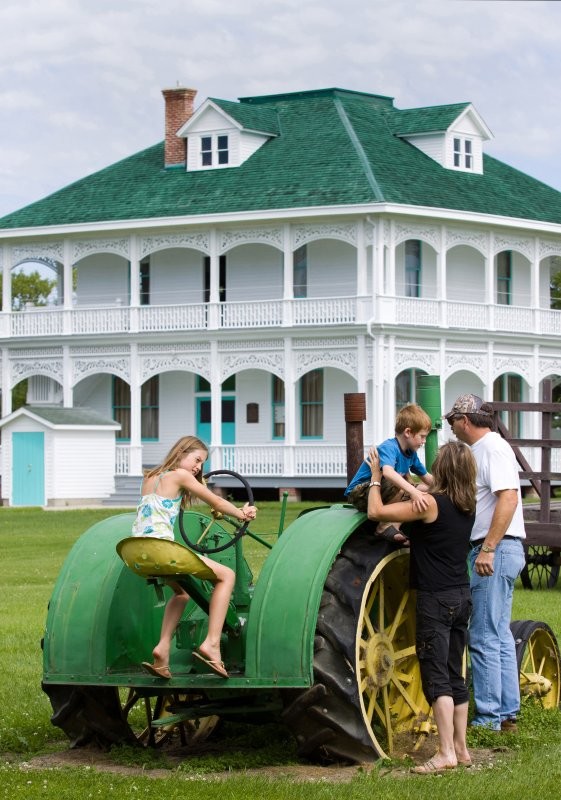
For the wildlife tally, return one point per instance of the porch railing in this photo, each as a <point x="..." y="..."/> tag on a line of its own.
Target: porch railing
<point x="318" y="311"/>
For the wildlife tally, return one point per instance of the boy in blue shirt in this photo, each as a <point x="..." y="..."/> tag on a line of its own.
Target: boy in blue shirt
<point x="398" y="458"/>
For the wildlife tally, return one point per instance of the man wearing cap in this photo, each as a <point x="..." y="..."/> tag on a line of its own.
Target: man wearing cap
<point x="497" y="558"/>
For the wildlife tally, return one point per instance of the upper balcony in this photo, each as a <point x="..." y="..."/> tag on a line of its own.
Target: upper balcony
<point x="54" y="321"/>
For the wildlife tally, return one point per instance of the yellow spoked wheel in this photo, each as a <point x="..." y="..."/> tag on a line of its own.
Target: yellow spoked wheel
<point x="367" y="688"/>
<point x="389" y="680"/>
<point x="539" y="665"/>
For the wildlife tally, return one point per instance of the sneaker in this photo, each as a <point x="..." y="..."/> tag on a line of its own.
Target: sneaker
<point x="509" y="725"/>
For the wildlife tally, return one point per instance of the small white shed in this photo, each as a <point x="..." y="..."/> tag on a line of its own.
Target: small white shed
<point x="55" y="456"/>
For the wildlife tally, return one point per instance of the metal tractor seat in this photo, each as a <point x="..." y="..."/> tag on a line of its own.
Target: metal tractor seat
<point x="161" y="558"/>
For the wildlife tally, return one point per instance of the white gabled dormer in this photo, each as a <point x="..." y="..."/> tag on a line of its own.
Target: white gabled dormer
<point x="452" y="135"/>
<point x="223" y="134"/>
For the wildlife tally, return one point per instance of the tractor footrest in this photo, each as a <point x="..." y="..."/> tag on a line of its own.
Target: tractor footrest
<point x="174" y="719"/>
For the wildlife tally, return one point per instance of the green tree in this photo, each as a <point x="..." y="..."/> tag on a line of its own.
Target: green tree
<point x="30" y="287"/>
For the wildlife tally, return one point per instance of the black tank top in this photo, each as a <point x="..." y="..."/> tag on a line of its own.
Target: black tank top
<point x="439" y="549"/>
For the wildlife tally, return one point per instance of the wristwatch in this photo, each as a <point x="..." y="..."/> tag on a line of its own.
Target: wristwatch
<point x="486" y="549"/>
<point x="375" y="483"/>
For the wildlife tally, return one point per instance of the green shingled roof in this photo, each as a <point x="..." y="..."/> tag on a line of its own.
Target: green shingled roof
<point x="262" y="119"/>
<point x="426" y="120"/>
<point x="334" y="148"/>
<point x="57" y="415"/>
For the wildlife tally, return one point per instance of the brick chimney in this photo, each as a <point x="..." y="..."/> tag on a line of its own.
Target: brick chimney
<point x="179" y="108"/>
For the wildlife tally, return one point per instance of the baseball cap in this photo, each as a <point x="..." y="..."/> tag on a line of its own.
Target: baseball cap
<point x="470" y="404"/>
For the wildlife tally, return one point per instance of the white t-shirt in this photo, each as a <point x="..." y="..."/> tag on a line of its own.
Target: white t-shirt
<point x="497" y="469"/>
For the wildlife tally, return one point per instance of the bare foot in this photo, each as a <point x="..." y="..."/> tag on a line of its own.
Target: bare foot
<point x="212" y="653"/>
<point x="464" y="758"/>
<point x="161" y="658"/>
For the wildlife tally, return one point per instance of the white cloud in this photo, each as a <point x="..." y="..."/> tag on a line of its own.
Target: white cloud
<point x="91" y="71"/>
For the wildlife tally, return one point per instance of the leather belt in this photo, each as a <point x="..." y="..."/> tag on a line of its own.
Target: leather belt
<point x="479" y="542"/>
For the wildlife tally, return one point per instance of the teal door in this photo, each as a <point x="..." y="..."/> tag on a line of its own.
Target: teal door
<point x="28" y="469"/>
<point x="228" y="419"/>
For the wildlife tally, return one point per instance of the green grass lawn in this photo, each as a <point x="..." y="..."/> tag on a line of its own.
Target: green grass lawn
<point x="34" y="544"/>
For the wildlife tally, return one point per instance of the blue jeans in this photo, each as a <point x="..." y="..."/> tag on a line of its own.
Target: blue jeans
<point x="496" y="688"/>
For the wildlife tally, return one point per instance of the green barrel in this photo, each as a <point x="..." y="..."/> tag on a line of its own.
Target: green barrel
<point x="428" y="397"/>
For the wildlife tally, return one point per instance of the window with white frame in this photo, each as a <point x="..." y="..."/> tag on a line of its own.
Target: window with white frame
<point x="504" y="278"/>
<point x="278" y="403"/>
<point x="300" y="271"/>
<point x="463" y="153"/>
<point x="149" y="408"/>
<point x="311" y="404"/>
<point x="215" y="150"/>
<point x="412" y="268"/>
<point x="508" y="388"/>
<point x="406" y="387"/>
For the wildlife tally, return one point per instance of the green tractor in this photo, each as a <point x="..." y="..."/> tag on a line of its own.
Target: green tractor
<point x="323" y="640"/>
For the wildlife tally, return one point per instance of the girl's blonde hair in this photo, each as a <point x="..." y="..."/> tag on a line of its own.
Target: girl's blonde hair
<point x="454" y="471"/>
<point x="180" y="449"/>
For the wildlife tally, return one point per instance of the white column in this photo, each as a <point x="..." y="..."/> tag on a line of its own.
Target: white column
<point x="67" y="390"/>
<point x="214" y="295"/>
<point x="67" y="282"/>
<point x="376" y="411"/>
<point x="7" y="279"/>
<point x="134" y="268"/>
<point x="6" y="384"/>
<point x="535" y="276"/>
<point x="391" y="262"/>
<point x="288" y="263"/>
<point x="490" y="282"/>
<point x="135" y="447"/>
<point x="134" y="271"/>
<point x="217" y="459"/>
<point x="441" y="280"/>
<point x="290" y="389"/>
<point x="361" y="261"/>
<point x="288" y="275"/>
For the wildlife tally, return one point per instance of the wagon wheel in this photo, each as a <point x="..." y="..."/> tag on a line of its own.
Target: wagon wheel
<point x="367" y="695"/>
<point x="541" y="571"/>
<point x="197" y="540"/>
<point x="537" y="656"/>
<point x="105" y="716"/>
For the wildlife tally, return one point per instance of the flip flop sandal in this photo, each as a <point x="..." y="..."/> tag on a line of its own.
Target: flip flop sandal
<point x="389" y="534"/>
<point x="216" y="666"/>
<point x="158" y="672"/>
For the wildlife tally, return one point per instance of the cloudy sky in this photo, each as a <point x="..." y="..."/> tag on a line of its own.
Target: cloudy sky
<point x="81" y="80"/>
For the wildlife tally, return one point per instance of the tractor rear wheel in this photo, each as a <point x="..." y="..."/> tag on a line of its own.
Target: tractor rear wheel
<point x="367" y="690"/>
<point x="539" y="665"/>
<point x="106" y="716"/>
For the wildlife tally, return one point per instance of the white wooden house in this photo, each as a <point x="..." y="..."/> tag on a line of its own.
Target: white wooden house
<point x="273" y="254"/>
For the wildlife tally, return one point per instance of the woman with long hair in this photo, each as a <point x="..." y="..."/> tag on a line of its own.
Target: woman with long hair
<point x="439" y="536"/>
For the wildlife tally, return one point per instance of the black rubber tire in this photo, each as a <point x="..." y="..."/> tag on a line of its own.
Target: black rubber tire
<point x="89" y="715"/>
<point x="326" y="719"/>
<point x="540" y="572"/>
<point x="94" y="715"/>
<point x="538" y="635"/>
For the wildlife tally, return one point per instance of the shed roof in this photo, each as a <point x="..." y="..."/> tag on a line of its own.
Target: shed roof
<point x="58" y="417"/>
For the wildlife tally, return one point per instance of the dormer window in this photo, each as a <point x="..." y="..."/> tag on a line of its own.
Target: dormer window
<point x="214" y="150"/>
<point x="463" y="154"/>
<point x="223" y="134"/>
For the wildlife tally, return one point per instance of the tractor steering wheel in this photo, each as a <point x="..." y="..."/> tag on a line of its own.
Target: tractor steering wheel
<point x="240" y="527"/>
